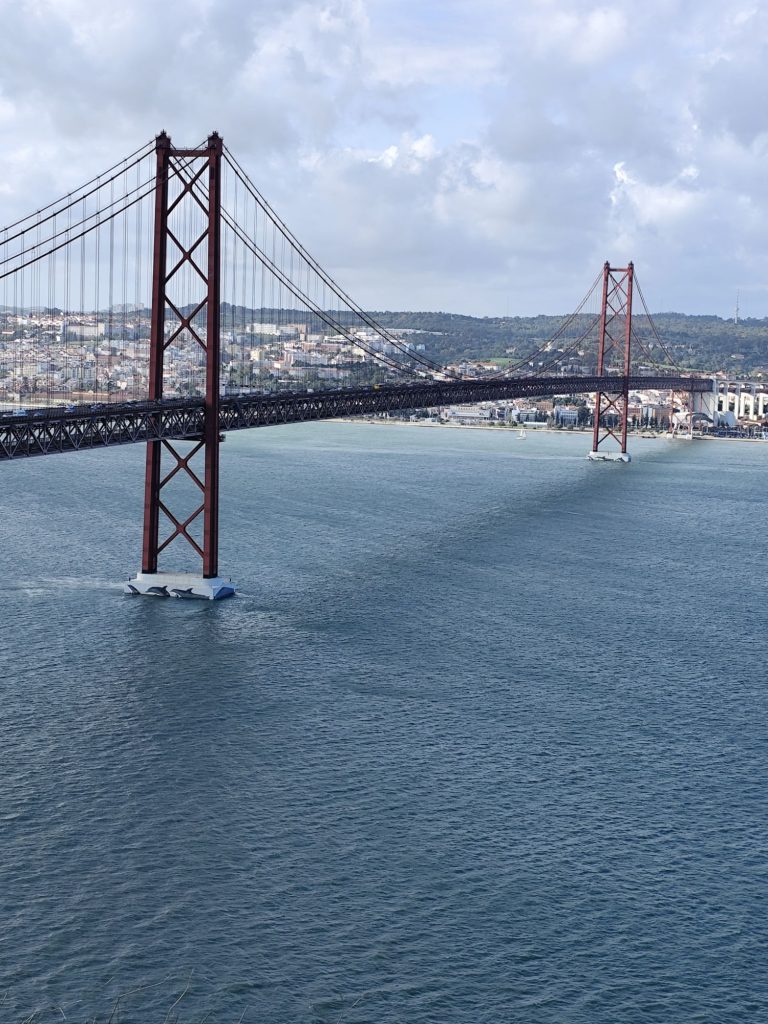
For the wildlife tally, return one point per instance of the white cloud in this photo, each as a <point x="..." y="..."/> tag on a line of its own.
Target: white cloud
<point x="405" y="64"/>
<point x="451" y="153"/>
<point x="409" y="156"/>
<point x="564" y="32"/>
<point x="663" y="204"/>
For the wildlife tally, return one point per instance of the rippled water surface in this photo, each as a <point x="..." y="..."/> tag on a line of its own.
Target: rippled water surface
<point x="482" y="738"/>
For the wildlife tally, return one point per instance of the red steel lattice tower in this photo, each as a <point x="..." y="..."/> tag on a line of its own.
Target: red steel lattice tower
<point x="614" y="364"/>
<point x="187" y="248"/>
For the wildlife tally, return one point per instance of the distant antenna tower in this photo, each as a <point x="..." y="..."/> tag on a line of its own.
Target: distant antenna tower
<point x="736" y="314"/>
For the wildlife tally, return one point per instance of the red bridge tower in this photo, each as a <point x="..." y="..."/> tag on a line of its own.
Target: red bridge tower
<point x="186" y="286"/>
<point x="614" y="364"/>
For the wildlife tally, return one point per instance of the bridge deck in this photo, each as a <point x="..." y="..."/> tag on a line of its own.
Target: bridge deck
<point x="47" y="431"/>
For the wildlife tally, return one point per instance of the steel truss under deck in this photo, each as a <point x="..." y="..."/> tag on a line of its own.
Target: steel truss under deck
<point x="53" y="430"/>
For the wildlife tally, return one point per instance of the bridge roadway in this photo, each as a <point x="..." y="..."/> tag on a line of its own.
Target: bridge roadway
<point x="47" y="431"/>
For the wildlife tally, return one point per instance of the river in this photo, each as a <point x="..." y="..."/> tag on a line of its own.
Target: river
<point x="482" y="738"/>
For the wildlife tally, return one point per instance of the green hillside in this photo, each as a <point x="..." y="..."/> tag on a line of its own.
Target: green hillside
<point x="695" y="342"/>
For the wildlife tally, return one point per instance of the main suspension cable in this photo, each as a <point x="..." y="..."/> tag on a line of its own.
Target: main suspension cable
<point x="325" y="277"/>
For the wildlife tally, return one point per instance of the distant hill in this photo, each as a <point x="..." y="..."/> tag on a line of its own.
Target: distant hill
<point x="695" y="342"/>
<point x="703" y="343"/>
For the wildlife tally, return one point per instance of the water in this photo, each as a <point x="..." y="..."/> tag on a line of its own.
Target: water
<point x="482" y="739"/>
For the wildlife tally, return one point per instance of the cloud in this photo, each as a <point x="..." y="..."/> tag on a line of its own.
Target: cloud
<point x="410" y="65"/>
<point x="473" y="155"/>
<point x="664" y="205"/>
<point x="584" y="37"/>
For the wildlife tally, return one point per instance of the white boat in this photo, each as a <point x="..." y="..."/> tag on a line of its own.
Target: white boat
<point x="522" y="433"/>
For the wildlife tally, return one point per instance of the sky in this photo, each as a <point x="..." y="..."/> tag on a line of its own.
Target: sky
<point x="472" y="156"/>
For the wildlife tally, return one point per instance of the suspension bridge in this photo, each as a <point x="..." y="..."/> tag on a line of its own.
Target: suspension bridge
<point x="166" y="302"/>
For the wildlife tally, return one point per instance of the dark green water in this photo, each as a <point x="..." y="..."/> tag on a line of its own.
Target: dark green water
<point x="483" y="737"/>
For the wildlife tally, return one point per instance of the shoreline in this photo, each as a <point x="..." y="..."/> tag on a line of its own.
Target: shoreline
<point x="382" y="422"/>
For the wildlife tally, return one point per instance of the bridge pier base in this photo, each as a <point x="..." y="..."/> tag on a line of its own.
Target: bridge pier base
<point x="609" y="456"/>
<point x="186" y="586"/>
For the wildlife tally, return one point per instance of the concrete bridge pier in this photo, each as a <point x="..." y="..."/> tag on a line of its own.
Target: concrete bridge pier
<point x="706" y="403"/>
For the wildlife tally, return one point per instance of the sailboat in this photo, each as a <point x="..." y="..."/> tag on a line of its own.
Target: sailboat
<point x="522" y="433"/>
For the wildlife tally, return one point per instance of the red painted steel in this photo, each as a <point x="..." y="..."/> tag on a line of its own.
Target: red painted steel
<point x="156" y="352"/>
<point x="615" y="338"/>
<point x="211" y="512"/>
<point x="601" y="353"/>
<point x="627" y="357"/>
<point x="189" y="172"/>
